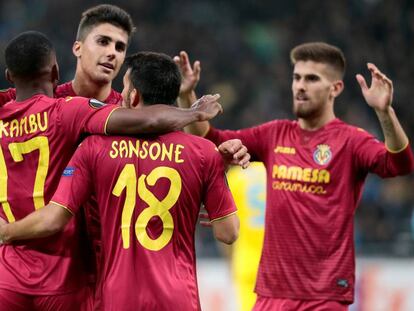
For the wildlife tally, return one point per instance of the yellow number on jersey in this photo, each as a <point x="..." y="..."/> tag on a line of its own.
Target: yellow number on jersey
<point x="127" y="179"/>
<point x="17" y="150"/>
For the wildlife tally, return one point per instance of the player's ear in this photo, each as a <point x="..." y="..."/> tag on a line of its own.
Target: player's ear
<point x="8" y="76"/>
<point x="55" y="74"/>
<point x="134" y="98"/>
<point x="337" y="88"/>
<point x="76" y="48"/>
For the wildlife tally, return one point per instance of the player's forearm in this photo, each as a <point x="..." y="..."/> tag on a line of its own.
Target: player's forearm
<point x="201" y="128"/>
<point x="39" y="224"/>
<point x="394" y="135"/>
<point x="150" y="119"/>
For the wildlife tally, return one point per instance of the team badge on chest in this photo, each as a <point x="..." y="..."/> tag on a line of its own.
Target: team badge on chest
<point x="322" y="155"/>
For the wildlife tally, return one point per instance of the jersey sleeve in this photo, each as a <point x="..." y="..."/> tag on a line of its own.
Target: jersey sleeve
<point x="7" y="95"/>
<point x="372" y="155"/>
<point x="82" y="115"/>
<point x="253" y="138"/>
<point x="75" y="185"/>
<point x="217" y="199"/>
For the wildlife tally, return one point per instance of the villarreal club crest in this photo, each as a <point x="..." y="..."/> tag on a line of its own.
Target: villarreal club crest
<point x="322" y="155"/>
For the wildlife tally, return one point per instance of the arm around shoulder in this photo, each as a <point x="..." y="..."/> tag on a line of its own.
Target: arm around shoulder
<point x="42" y="223"/>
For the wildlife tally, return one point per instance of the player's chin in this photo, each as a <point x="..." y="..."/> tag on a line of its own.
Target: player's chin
<point x="104" y="78"/>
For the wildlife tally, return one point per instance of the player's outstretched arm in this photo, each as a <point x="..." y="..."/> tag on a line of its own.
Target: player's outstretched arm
<point x="379" y="96"/>
<point x="162" y="118"/>
<point x="226" y="229"/>
<point x="42" y="223"/>
<point x="190" y="78"/>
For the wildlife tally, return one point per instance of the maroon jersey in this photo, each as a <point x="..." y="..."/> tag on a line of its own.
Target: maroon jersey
<point x="37" y="138"/>
<point x="314" y="184"/>
<point x="149" y="192"/>
<point x="63" y="90"/>
<point x="7" y="95"/>
<point x="66" y="89"/>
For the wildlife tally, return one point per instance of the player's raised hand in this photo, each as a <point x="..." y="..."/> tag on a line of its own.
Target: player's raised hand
<point x="208" y="107"/>
<point x="190" y="75"/>
<point x="234" y="153"/>
<point x="380" y="93"/>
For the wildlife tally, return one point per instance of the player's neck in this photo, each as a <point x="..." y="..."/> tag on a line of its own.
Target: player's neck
<point x="314" y="124"/>
<point x="24" y="92"/>
<point x="87" y="88"/>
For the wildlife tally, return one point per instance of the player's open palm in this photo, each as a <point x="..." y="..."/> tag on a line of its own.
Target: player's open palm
<point x="190" y="75"/>
<point x="379" y="94"/>
<point x="208" y="107"/>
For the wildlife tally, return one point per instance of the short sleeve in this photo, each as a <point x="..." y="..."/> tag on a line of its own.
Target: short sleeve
<point x="82" y="115"/>
<point x="218" y="200"/>
<point x="371" y="155"/>
<point x="255" y="138"/>
<point x="75" y="185"/>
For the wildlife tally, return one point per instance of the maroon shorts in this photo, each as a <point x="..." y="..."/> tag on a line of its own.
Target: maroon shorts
<point x="274" y="304"/>
<point x="13" y="301"/>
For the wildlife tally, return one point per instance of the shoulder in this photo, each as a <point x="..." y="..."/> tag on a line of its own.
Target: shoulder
<point x="278" y="124"/>
<point x="200" y="146"/>
<point x="115" y="98"/>
<point x="64" y="90"/>
<point x="349" y="129"/>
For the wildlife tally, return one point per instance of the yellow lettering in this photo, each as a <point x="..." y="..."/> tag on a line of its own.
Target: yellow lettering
<point x="32" y="123"/>
<point x="306" y="173"/>
<point x="157" y="148"/>
<point x="132" y="148"/>
<point x="39" y="121"/>
<point x="114" y="152"/>
<point x="143" y="153"/>
<point x="178" y="153"/>
<point x="315" y="175"/>
<point x="14" y="127"/>
<point x="294" y="173"/>
<point x="3" y="127"/>
<point x="167" y="152"/>
<point x="23" y="126"/>
<point x="324" y="177"/>
<point x="123" y="149"/>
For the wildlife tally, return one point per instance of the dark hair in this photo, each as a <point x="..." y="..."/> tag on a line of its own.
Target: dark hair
<point x="155" y="76"/>
<point x="320" y="52"/>
<point x="27" y="54"/>
<point x="104" y="13"/>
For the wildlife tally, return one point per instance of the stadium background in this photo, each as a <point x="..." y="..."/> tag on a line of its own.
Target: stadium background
<point x="244" y="50"/>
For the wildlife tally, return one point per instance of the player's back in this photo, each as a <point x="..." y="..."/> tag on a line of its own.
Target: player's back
<point x="149" y="191"/>
<point x="38" y="137"/>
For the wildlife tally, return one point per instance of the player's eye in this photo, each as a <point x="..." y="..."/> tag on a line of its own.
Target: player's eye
<point x="103" y="41"/>
<point x="120" y="46"/>
<point x="312" y="78"/>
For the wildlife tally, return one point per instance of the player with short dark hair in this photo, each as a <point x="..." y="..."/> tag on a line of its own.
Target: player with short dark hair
<point x="316" y="167"/>
<point x="38" y="135"/>
<point x="148" y="191"/>
<point x="101" y="14"/>
<point x="103" y="35"/>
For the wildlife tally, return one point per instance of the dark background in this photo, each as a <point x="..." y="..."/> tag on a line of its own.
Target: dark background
<point x="244" y="50"/>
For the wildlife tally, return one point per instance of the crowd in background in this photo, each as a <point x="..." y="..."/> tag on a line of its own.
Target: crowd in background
<point x="244" y="49"/>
